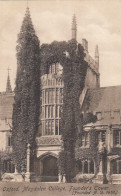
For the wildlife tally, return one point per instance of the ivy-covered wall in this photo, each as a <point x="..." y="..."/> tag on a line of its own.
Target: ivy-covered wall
<point x="90" y="153"/>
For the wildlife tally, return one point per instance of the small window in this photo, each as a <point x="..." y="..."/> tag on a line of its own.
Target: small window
<point x="49" y="82"/>
<point x="46" y="112"/>
<point x="61" y="95"/>
<point x="56" y="127"/>
<point x="43" y="112"/>
<point x="101" y="136"/>
<point x="43" y="102"/>
<point x="86" y="167"/>
<point x="46" y="97"/>
<point x="50" y="69"/>
<point x="85" y="139"/>
<point x="57" y="95"/>
<point x="117" y="138"/>
<point x="52" y="111"/>
<point x="99" y="115"/>
<point x="57" y="111"/>
<point x="52" y="96"/>
<point x="43" y="127"/>
<point x="52" y="127"/>
<point x="49" y="127"/>
<point x="119" y="166"/>
<point x="8" y="166"/>
<point x="91" y="167"/>
<point x="9" y="140"/>
<point x="80" y="166"/>
<point x="116" y="166"/>
<point x="46" y="127"/>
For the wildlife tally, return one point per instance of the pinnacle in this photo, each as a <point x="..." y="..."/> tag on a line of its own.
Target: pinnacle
<point x="74" y="27"/>
<point x="8" y="86"/>
<point x="96" y="51"/>
<point x="74" y="22"/>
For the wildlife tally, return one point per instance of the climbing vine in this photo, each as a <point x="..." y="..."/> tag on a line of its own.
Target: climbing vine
<point x="71" y="56"/>
<point x="26" y="108"/>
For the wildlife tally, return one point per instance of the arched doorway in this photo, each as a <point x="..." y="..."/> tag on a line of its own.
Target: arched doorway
<point x="50" y="169"/>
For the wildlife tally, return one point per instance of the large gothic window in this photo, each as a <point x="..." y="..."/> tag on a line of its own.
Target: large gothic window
<point x="52" y="99"/>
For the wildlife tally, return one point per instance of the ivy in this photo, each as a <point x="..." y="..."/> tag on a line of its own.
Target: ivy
<point x="26" y="109"/>
<point x="92" y="152"/>
<point x="71" y="56"/>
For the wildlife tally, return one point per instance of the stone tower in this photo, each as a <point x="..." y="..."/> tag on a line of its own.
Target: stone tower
<point x="74" y="27"/>
<point x="52" y="100"/>
<point x="8" y="85"/>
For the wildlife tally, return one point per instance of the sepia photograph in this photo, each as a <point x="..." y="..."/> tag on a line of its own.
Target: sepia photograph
<point x="60" y="97"/>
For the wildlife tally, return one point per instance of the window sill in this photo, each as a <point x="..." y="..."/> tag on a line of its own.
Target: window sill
<point x="9" y="149"/>
<point x="84" y="146"/>
<point x="117" y="146"/>
<point x="80" y="175"/>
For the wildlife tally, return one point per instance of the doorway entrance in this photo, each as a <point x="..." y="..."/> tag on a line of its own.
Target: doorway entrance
<point x="50" y="169"/>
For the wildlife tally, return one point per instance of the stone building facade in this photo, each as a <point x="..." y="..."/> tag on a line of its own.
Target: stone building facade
<point x="49" y="141"/>
<point x="98" y="163"/>
<point x="6" y="108"/>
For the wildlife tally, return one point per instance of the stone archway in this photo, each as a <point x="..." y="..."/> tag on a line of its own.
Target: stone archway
<point x="49" y="168"/>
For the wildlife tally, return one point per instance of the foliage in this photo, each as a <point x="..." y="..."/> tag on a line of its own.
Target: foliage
<point x="52" y="53"/>
<point x="26" y="108"/>
<point x="5" y="155"/>
<point x="74" y="72"/>
<point x="27" y="94"/>
<point x="90" y="153"/>
<point x="83" y="179"/>
<point x="71" y="56"/>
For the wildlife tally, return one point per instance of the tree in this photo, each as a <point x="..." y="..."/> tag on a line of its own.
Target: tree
<point x="26" y="109"/>
<point x="74" y="73"/>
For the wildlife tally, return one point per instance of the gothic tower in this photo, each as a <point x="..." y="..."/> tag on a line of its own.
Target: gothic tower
<point x="74" y="27"/>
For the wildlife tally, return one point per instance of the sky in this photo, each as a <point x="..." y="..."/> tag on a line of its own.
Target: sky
<point x="98" y="21"/>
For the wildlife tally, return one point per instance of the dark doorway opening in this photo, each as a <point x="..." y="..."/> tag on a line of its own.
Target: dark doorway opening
<point x="50" y="169"/>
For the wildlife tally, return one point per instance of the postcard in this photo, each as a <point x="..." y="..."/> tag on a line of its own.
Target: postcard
<point x="60" y="97"/>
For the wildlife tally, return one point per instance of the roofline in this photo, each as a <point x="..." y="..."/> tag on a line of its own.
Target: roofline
<point x="98" y="88"/>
